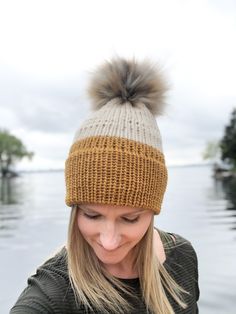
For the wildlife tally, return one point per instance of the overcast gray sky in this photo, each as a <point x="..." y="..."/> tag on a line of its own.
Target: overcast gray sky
<point x="49" y="47"/>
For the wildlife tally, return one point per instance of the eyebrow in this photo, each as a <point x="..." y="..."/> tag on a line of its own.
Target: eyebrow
<point x="124" y="214"/>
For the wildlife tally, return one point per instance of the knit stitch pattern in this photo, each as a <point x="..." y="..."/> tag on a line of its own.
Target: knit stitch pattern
<point x="122" y="120"/>
<point x="117" y="171"/>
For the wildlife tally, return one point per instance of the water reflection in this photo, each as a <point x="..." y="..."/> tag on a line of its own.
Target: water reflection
<point x="10" y="192"/>
<point x="229" y="188"/>
<point x="225" y="190"/>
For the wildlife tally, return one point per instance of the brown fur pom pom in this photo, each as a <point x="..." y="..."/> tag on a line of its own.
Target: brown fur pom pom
<point x="132" y="81"/>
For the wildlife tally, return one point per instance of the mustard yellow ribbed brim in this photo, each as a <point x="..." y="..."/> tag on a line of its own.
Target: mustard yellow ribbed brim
<point x="115" y="171"/>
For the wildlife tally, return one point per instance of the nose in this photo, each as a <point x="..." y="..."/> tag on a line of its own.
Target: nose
<point x="109" y="237"/>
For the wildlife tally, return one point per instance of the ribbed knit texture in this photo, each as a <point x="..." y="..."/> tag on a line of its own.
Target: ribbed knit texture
<point x="49" y="290"/>
<point x="117" y="159"/>
<point x="117" y="171"/>
<point x="122" y="120"/>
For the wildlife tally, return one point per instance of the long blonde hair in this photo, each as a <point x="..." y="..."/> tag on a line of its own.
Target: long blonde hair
<point x="95" y="288"/>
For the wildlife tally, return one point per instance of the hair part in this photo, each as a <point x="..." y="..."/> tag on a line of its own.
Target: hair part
<point x="95" y="288"/>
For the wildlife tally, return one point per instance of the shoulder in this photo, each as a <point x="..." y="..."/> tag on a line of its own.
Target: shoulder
<point x="56" y="264"/>
<point x="181" y="257"/>
<point x="184" y="252"/>
<point x="177" y="247"/>
<point x="47" y="288"/>
<point x="53" y="272"/>
<point x="182" y="264"/>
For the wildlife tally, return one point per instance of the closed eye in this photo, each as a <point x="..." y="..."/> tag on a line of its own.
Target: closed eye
<point x="131" y="220"/>
<point x="97" y="216"/>
<point x="91" y="216"/>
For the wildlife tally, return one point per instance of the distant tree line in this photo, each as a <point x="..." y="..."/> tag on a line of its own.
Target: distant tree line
<point x="11" y="150"/>
<point x="225" y="148"/>
<point x="228" y="142"/>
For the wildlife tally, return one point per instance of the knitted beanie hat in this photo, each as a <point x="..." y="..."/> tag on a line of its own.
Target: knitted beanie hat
<point x="116" y="157"/>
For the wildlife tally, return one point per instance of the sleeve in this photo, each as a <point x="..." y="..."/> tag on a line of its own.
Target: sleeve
<point x="186" y="272"/>
<point x="196" y="274"/>
<point x="37" y="298"/>
<point x="197" y="290"/>
<point x="192" y="266"/>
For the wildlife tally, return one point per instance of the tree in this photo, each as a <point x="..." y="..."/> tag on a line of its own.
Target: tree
<point x="228" y="142"/>
<point x="11" y="150"/>
<point x="212" y="151"/>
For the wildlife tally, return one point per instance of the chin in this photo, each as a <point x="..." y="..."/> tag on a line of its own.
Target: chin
<point x="109" y="261"/>
<point x="111" y="258"/>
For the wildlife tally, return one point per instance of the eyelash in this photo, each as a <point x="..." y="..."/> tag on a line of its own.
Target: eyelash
<point x="98" y="216"/>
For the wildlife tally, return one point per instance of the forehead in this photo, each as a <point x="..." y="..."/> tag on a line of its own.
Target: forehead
<point x="114" y="209"/>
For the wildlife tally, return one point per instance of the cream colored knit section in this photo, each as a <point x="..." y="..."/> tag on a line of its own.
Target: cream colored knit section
<point x="122" y="120"/>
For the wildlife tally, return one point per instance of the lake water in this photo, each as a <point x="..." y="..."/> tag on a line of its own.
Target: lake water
<point x="33" y="224"/>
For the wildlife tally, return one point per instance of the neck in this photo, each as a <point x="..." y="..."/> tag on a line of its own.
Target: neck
<point x="121" y="272"/>
<point x="124" y="269"/>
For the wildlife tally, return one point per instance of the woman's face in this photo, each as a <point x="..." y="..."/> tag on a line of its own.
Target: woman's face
<point x="113" y="231"/>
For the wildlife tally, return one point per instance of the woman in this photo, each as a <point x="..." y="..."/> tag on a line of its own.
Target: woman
<point x="115" y="261"/>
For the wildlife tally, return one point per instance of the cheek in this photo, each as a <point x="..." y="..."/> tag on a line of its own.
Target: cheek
<point x="136" y="232"/>
<point x="86" y="227"/>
